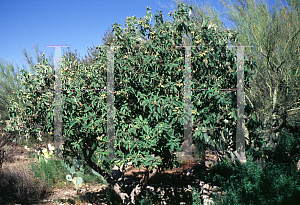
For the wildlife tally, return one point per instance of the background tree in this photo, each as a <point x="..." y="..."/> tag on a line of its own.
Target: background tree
<point x="10" y="81"/>
<point x="275" y="37"/>
<point x="39" y="58"/>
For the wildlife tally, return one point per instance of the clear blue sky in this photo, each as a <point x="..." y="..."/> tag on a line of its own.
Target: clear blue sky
<point x="79" y="24"/>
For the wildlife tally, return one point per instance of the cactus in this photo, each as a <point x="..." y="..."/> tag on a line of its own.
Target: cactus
<point x="79" y="174"/>
<point x="78" y="179"/>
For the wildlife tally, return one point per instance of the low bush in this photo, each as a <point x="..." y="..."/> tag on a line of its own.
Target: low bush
<point x="249" y="183"/>
<point x="19" y="187"/>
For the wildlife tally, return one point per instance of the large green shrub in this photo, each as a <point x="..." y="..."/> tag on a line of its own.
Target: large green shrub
<point x="149" y="88"/>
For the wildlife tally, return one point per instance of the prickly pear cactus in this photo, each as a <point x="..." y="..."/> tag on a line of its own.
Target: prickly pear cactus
<point x="78" y="179"/>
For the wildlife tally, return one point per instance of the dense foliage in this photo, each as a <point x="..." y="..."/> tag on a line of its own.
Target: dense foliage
<point x="276" y="183"/>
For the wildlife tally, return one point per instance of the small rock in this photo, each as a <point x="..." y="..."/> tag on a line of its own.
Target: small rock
<point x="201" y="183"/>
<point x="150" y="187"/>
<point x="214" y="189"/>
<point x="115" y="167"/>
<point x="189" y="172"/>
<point x="206" y="186"/>
<point x="205" y="191"/>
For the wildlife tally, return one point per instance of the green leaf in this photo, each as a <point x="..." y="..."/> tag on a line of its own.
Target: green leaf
<point x="146" y="128"/>
<point x="147" y="163"/>
<point x="233" y="115"/>
<point x="172" y="147"/>
<point x="201" y="135"/>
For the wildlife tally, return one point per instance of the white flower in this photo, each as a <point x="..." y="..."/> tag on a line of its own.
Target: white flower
<point x="50" y="147"/>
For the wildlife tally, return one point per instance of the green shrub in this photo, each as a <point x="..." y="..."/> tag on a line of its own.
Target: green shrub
<point x="248" y="183"/>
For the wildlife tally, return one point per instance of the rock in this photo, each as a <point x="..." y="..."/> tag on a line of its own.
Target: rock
<point x="201" y="183"/>
<point x="189" y="172"/>
<point x="150" y="187"/>
<point x="206" y="192"/>
<point x="206" y="186"/>
<point x="128" y="168"/>
<point x="214" y="189"/>
<point x="209" y="164"/>
<point x="115" y="168"/>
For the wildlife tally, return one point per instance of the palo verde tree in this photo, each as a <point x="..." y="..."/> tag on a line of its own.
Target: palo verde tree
<point x="149" y="96"/>
<point x="11" y="83"/>
<point x="274" y="91"/>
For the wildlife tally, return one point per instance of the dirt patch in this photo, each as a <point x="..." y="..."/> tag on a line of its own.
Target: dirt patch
<point x="17" y="162"/>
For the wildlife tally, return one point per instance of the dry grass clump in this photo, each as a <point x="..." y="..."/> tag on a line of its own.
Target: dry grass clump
<point x="18" y="186"/>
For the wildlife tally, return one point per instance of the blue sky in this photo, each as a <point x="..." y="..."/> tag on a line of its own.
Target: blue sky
<point x="79" y="24"/>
